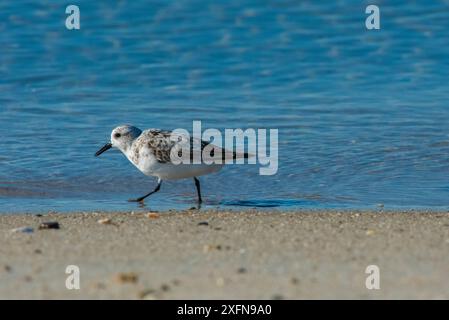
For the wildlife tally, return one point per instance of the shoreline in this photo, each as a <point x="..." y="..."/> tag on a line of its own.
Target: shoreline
<point x="218" y="254"/>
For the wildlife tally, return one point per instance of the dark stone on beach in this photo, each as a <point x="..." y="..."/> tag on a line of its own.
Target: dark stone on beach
<point x="203" y="223"/>
<point x="277" y="297"/>
<point x="38" y="215"/>
<point x="38" y="251"/>
<point x="294" y="281"/>
<point x="165" y="287"/>
<point x="7" y="268"/>
<point x="49" y="225"/>
<point x="241" y="270"/>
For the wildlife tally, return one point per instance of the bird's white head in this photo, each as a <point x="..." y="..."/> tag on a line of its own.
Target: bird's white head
<point x="122" y="138"/>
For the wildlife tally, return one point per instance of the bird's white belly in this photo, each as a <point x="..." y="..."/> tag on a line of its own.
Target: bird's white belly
<point x="168" y="171"/>
<point x="149" y="166"/>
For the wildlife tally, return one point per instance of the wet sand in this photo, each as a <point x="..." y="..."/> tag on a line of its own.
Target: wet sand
<point x="227" y="255"/>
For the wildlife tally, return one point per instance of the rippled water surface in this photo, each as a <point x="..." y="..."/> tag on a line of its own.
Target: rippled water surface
<point x="362" y="115"/>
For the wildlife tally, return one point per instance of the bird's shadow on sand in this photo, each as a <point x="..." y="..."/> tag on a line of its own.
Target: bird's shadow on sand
<point x="143" y="205"/>
<point x="268" y="203"/>
<point x="256" y="203"/>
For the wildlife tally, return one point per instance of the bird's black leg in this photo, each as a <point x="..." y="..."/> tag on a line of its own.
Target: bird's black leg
<point x="198" y="189"/>
<point x="159" y="182"/>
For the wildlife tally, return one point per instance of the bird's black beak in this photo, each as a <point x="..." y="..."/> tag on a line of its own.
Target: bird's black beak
<point x="106" y="147"/>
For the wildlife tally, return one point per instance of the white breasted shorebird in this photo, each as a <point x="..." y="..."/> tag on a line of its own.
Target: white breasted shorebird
<point x="151" y="152"/>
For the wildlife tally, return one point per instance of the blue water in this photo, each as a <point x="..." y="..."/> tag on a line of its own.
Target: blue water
<point x="362" y="115"/>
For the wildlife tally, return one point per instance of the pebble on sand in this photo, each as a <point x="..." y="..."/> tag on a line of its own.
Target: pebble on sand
<point x="210" y="247"/>
<point x="152" y="215"/>
<point x="203" y="223"/>
<point x="126" y="277"/>
<point x="220" y="282"/>
<point x="294" y="280"/>
<point x="105" y="221"/>
<point x="148" y="294"/>
<point x="241" y="270"/>
<point x="49" y="225"/>
<point x="23" y="230"/>
<point x="165" y="287"/>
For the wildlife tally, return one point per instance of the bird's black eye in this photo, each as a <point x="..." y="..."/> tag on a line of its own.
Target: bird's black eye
<point x="117" y="135"/>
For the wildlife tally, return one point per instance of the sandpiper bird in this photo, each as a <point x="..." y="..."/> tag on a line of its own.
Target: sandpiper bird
<point x="151" y="152"/>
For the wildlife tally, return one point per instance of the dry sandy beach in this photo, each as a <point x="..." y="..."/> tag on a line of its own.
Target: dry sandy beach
<point x="227" y="255"/>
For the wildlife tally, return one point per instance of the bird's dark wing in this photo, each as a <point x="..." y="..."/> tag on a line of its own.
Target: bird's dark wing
<point x="164" y="143"/>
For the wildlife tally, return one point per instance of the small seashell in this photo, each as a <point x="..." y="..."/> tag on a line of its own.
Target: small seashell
<point x="152" y="215"/>
<point x="148" y="294"/>
<point x="105" y="221"/>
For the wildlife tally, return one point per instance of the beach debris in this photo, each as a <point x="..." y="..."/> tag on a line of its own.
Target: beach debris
<point x="165" y="287"/>
<point x="209" y="247"/>
<point x="277" y="297"/>
<point x="7" y="268"/>
<point x="38" y="251"/>
<point x="294" y="280"/>
<point x="127" y="277"/>
<point x="369" y="232"/>
<point x="220" y="282"/>
<point x="99" y="285"/>
<point x="105" y="221"/>
<point x="49" y="225"/>
<point x="176" y="282"/>
<point x="241" y="270"/>
<point x="203" y="223"/>
<point x="23" y="230"/>
<point x="148" y="294"/>
<point x="152" y="215"/>
<point x="38" y="215"/>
